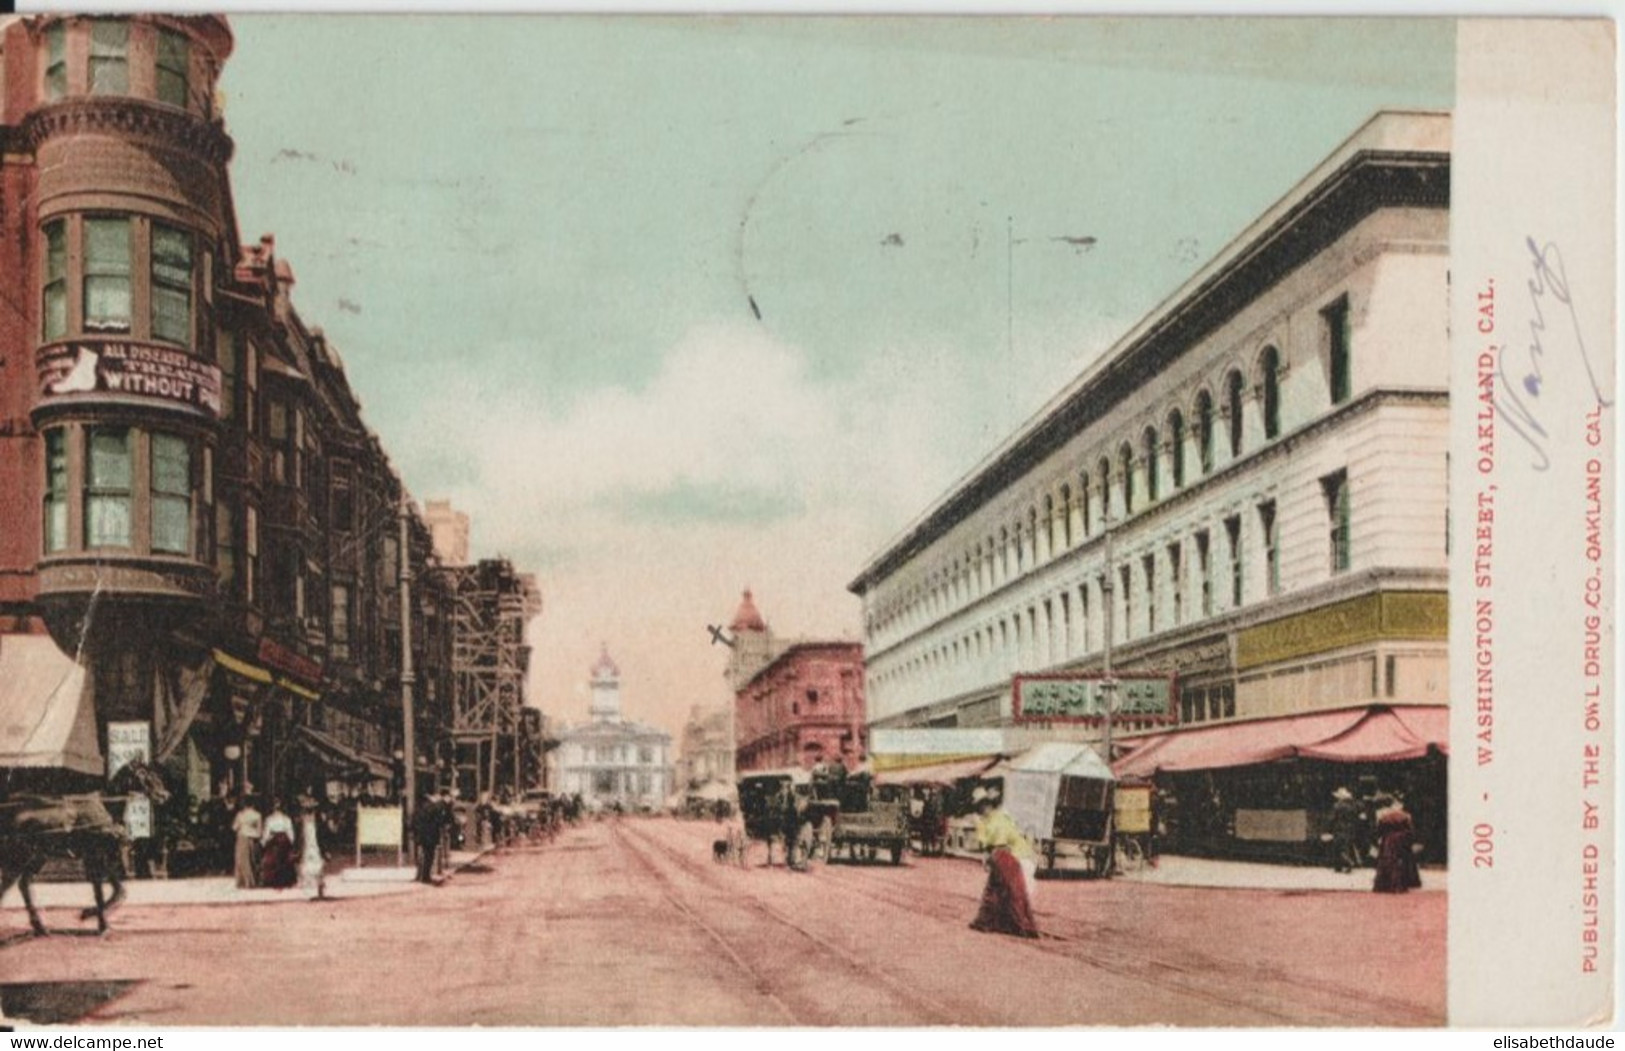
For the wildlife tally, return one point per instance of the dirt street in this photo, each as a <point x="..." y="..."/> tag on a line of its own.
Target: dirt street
<point x="633" y="923"/>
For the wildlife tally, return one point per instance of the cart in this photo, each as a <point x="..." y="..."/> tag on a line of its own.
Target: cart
<point x="1062" y="795"/>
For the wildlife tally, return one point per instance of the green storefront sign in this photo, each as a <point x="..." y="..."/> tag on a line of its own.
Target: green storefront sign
<point x="1085" y="699"/>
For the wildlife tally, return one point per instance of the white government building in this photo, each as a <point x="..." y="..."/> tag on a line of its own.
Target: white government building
<point x="611" y="761"/>
<point x="1269" y="448"/>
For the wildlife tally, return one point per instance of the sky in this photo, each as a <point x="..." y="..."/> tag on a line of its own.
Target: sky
<point x="672" y="307"/>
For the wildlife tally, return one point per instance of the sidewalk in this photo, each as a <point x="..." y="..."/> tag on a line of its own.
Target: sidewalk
<point x="343" y="881"/>
<point x="1177" y="870"/>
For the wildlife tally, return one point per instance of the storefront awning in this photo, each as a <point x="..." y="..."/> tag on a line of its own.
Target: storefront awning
<point x="939" y="773"/>
<point x="45" y="719"/>
<point x="1368" y="734"/>
<point x="358" y="762"/>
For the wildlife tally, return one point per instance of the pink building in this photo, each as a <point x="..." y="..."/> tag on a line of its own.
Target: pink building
<point x="803" y="707"/>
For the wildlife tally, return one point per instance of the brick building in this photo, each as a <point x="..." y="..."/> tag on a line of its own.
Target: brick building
<point x="804" y="707"/>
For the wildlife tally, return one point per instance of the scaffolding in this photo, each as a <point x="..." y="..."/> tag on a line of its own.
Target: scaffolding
<point x="491" y="606"/>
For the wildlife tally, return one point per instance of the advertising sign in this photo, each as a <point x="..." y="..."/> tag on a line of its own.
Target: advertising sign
<point x="128" y="367"/>
<point x="138" y="817"/>
<point x="1081" y="698"/>
<point x="126" y="742"/>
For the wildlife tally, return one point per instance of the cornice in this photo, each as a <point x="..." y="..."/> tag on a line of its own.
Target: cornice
<point x="132" y="117"/>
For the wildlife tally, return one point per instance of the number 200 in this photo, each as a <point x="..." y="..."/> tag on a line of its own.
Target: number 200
<point x="1483" y="846"/>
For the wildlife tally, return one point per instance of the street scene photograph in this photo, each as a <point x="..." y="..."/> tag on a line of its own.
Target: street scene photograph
<point x="733" y="521"/>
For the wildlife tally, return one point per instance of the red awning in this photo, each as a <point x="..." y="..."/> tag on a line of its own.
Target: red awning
<point x="939" y="773"/>
<point x="1370" y="734"/>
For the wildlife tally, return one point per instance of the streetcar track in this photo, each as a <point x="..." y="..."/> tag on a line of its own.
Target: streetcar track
<point x="935" y="1012"/>
<point x="1087" y="937"/>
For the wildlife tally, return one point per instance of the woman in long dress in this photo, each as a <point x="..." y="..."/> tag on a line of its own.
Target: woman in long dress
<point x="1012" y="866"/>
<point x="278" y="867"/>
<point x="248" y="826"/>
<point x="1396" y="861"/>
<point x="312" y="863"/>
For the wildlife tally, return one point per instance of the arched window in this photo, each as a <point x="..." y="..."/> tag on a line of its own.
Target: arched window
<point x="1233" y="387"/>
<point x="1125" y="457"/>
<point x="1204" y="430"/>
<point x="1066" y="517"/>
<point x="1084" y="503"/>
<point x="1104" y="469"/>
<point x="1272" y="392"/>
<point x="1176" y="439"/>
<point x="1149" y="440"/>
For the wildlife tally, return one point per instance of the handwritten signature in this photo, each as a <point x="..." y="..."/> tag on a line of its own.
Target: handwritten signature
<point x="1521" y="411"/>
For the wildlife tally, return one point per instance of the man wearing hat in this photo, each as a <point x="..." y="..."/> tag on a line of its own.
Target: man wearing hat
<point x="1345" y="829"/>
<point x="1012" y="868"/>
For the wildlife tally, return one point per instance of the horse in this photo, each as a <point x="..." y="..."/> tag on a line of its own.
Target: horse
<point x="35" y="828"/>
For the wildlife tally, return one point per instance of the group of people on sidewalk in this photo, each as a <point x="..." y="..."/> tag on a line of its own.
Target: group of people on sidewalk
<point x="271" y="852"/>
<point x="1381" y="826"/>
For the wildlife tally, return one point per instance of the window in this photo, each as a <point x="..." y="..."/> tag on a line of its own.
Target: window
<point x="1204" y="572"/>
<point x="1151" y="465"/>
<point x="230" y="349"/>
<point x="171" y="494"/>
<point x="1204" y="430"/>
<point x="1272" y="392"/>
<point x="109" y="58"/>
<point x="107" y="488"/>
<point x="1066" y="517"/>
<point x="1272" y="548"/>
<point x="56" y="490"/>
<point x="1234" y="386"/>
<point x="54" y="295"/>
<point x="646" y="755"/>
<point x="171" y="284"/>
<point x="107" y="274"/>
<point x="1148" y="565"/>
<point x="343" y="510"/>
<point x="56" y="62"/>
<point x="1085" y="501"/>
<point x="1126" y="579"/>
<point x="1176" y="440"/>
<point x="1232" y="531"/>
<point x="1125" y="456"/>
<point x="1175" y="585"/>
<point x="341" y="622"/>
<point x="1336" y="318"/>
<point x="251" y="544"/>
<point x="225" y="550"/>
<point x="1336" y="488"/>
<point x="172" y="67"/>
<point x="812" y="696"/>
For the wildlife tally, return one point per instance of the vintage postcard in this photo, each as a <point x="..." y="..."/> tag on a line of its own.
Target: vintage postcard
<point x="752" y="521"/>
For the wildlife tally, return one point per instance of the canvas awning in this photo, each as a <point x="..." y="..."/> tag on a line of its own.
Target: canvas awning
<point x="1063" y="757"/>
<point x="1368" y="734"/>
<point x="45" y="718"/>
<point x="359" y="762"/>
<point x="939" y="773"/>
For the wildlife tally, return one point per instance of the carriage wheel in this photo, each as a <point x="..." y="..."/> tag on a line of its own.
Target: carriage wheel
<point x="1130" y="855"/>
<point x="897" y="854"/>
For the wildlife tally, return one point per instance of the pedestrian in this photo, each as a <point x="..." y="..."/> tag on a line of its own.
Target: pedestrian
<point x="428" y="824"/>
<point x="1345" y="830"/>
<point x="312" y="861"/>
<point x="1012" y="867"/>
<point x="248" y="826"/>
<point x="278" y="867"/>
<point x="1396" y="857"/>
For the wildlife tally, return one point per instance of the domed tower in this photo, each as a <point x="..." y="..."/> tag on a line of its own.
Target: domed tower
<point x="130" y="220"/>
<point x="752" y="643"/>
<point x="606" y="689"/>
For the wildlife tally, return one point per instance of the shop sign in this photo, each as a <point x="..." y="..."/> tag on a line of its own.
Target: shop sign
<point x="1082" y="698"/>
<point x="378" y="826"/>
<point x="138" y="817"/>
<point x="127" y="743"/>
<point x="275" y="655"/>
<point x="128" y="367"/>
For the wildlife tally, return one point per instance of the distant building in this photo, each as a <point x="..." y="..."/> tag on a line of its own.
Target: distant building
<point x="449" y="527"/>
<point x="752" y="643"/>
<point x="610" y="760"/>
<point x="804" y="707"/>
<point x="707" y="752"/>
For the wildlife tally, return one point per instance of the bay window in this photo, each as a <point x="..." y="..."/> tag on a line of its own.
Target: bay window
<point x="56" y="62"/>
<point x="110" y="57"/>
<point x="56" y="490"/>
<point x="107" y="274"/>
<point x="107" y="488"/>
<point x="54" y="293"/>
<point x="173" y="59"/>
<point x="171" y="284"/>
<point x="171" y="494"/>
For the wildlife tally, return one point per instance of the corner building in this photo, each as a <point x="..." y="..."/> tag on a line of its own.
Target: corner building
<point x="1254" y="477"/>
<point x="199" y="536"/>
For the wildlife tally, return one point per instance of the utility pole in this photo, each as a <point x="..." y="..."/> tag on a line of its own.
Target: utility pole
<point x="1108" y="684"/>
<point x="408" y="679"/>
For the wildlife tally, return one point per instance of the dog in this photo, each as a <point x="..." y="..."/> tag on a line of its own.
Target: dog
<point x="729" y="849"/>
